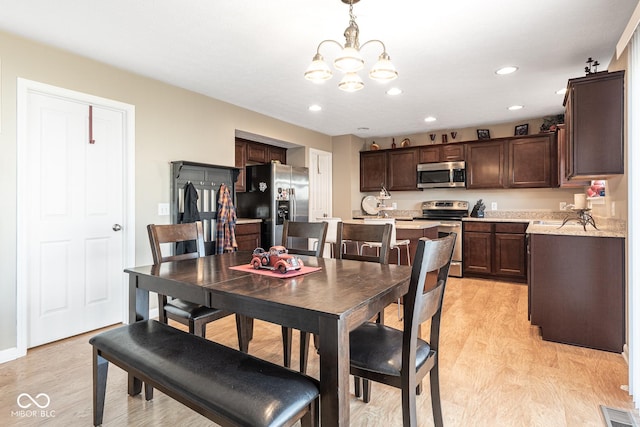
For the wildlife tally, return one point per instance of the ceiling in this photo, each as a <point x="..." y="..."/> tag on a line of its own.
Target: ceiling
<point x="253" y="53"/>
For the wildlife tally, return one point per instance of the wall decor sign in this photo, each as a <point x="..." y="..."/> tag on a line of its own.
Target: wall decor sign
<point x="522" y="130"/>
<point x="483" y="134"/>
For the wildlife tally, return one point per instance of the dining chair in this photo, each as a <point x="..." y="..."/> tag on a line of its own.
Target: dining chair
<point x="297" y="236"/>
<point x="395" y="244"/>
<point x="400" y="358"/>
<point x="356" y="233"/>
<point x="332" y="232"/>
<point x="195" y="316"/>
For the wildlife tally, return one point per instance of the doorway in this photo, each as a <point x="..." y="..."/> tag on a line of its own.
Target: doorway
<point x="75" y="212"/>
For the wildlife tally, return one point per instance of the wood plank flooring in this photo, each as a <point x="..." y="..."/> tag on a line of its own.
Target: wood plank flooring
<point x="495" y="371"/>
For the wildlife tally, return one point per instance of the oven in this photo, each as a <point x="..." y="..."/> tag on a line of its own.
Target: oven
<point x="449" y="213"/>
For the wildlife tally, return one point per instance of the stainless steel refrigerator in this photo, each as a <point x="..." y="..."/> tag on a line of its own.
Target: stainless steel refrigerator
<point x="274" y="193"/>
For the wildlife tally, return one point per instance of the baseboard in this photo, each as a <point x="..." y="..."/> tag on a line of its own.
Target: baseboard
<point x="10" y="354"/>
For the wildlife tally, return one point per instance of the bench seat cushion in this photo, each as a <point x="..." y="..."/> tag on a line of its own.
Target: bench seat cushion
<point x="241" y="388"/>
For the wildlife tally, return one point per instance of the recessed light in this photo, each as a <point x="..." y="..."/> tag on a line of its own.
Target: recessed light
<point x="516" y="107"/>
<point x="430" y="119"/>
<point x="506" y="70"/>
<point x="561" y="91"/>
<point x="315" y="107"/>
<point x="363" y="129"/>
<point x="394" y="91"/>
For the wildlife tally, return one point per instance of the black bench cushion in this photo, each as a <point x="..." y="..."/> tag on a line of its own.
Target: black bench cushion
<point x="242" y="388"/>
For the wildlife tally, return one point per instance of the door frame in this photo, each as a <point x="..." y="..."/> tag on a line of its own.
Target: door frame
<point x="24" y="88"/>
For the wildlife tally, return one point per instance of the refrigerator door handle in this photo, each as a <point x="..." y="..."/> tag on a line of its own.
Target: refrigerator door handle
<point x="294" y="210"/>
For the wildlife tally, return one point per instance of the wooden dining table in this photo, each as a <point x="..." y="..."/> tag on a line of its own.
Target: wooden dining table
<point x="329" y="302"/>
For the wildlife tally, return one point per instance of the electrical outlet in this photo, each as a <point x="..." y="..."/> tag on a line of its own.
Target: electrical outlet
<point x="494" y="206"/>
<point x="163" y="209"/>
<point x="563" y="206"/>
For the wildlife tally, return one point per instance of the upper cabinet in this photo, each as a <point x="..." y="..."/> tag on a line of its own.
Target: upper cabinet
<point x="441" y="153"/>
<point x="395" y="169"/>
<point x="250" y="152"/>
<point x="523" y="162"/>
<point x="563" y="167"/>
<point x="594" y="117"/>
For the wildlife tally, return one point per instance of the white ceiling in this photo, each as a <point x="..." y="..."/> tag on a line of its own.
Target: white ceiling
<point x="253" y="53"/>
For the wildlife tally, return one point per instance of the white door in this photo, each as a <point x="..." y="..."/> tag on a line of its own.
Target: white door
<point x="320" y="189"/>
<point x="74" y="208"/>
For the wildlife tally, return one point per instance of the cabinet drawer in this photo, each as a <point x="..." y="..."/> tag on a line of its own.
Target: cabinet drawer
<point x="485" y="227"/>
<point x="251" y="228"/>
<point x="511" y="227"/>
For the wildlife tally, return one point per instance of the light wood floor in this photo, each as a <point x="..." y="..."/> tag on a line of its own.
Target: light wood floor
<point x="495" y="371"/>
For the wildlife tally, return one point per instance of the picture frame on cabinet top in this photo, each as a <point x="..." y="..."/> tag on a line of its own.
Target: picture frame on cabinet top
<point x="483" y="134"/>
<point x="521" y="130"/>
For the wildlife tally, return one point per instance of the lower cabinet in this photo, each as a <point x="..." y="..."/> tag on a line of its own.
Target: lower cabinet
<point x="495" y="250"/>
<point x="577" y="290"/>
<point x="248" y="236"/>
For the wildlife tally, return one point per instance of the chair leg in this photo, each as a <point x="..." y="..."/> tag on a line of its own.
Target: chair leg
<point x="286" y="345"/>
<point x="409" y="411"/>
<point x="304" y="351"/>
<point x="199" y="328"/>
<point x="100" y="369"/>
<point x="148" y="392"/>
<point x="434" y="379"/>
<point x="244" y="328"/>
<point x="162" y="315"/>
<point x="357" y="386"/>
<point x="366" y="390"/>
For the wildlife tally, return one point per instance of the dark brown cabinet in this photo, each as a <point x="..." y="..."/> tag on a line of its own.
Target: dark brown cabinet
<point x="250" y="152"/>
<point x="441" y="153"/>
<point x="594" y="116"/>
<point x="373" y="170"/>
<point x="395" y="169"/>
<point x="563" y="167"/>
<point x="525" y="162"/>
<point x="577" y="290"/>
<point x="485" y="165"/>
<point x="495" y="250"/>
<point x="248" y="236"/>
<point x="413" y="235"/>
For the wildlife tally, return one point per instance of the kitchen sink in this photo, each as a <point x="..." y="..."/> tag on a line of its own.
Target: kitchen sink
<point x="558" y="223"/>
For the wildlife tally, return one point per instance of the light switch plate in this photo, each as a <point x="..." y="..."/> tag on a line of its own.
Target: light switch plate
<point x="494" y="206"/>
<point x="163" y="209"/>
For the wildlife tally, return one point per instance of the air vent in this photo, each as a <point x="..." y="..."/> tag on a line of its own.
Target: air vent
<point x="617" y="417"/>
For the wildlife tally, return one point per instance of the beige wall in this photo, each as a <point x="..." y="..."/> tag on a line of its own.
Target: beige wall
<point x="171" y="124"/>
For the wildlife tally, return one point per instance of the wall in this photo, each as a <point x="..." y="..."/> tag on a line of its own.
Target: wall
<point x="171" y="124"/>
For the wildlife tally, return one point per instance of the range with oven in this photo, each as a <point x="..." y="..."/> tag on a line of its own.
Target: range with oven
<point x="449" y="213"/>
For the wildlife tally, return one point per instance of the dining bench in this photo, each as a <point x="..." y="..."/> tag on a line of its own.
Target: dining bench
<point x="225" y="385"/>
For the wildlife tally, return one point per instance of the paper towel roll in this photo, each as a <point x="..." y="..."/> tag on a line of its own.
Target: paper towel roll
<point x="580" y="201"/>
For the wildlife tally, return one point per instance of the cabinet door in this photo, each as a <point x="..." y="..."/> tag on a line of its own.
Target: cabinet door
<point x="240" y="162"/>
<point x="477" y="252"/>
<point x="595" y="112"/>
<point x="373" y="170"/>
<point x="277" y="153"/>
<point x="510" y="255"/>
<point x="485" y="165"/>
<point x="428" y="154"/>
<point x="248" y="236"/>
<point x="452" y="153"/>
<point x="257" y="152"/>
<point x="530" y="162"/>
<point x="563" y="162"/>
<point x="402" y="169"/>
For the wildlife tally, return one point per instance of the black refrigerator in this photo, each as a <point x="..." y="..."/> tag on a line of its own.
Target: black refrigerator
<point x="274" y="193"/>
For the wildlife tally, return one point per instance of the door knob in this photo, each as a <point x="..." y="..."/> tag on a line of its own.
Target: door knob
<point x="117" y="227"/>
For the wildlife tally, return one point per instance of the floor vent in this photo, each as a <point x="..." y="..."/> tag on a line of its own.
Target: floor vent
<point x="617" y="417"/>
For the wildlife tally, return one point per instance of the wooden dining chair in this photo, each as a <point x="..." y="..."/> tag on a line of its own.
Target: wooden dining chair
<point x="297" y="237"/>
<point x="195" y="316"/>
<point x="400" y="358"/>
<point x="354" y="233"/>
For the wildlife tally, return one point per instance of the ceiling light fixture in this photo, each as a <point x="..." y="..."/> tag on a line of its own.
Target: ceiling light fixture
<point x="350" y="61"/>
<point x="516" y="107"/>
<point x="315" y="107"/>
<point x="394" y="91"/>
<point x="506" y="70"/>
<point x="430" y="119"/>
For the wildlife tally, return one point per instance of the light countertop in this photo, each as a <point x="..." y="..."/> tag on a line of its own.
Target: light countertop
<point x="416" y="224"/>
<point x="247" y="221"/>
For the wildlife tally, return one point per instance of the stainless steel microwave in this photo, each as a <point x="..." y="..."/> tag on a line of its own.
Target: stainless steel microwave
<point x="442" y="175"/>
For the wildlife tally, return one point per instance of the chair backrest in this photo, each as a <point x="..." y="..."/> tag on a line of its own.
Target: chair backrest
<point x="391" y="221"/>
<point x="365" y="233"/>
<point x="332" y="227"/>
<point x="424" y="299"/>
<point x="174" y="233"/>
<point x="296" y="235"/>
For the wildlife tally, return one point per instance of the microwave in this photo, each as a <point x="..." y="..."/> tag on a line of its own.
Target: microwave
<point x="442" y="175"/>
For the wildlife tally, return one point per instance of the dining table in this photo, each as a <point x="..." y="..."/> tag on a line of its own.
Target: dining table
<point x="330" y="301"/>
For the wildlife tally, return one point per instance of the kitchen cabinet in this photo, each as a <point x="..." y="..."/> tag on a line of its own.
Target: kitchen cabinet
<point x="524" y="162"/>
<point x="594" y="117"/>
<point x="413" y="235"/>
<point x="441" y="153"/>
<point x="395" y="169"/>
<point x="577" y="290"/>
<point x="485" y="165"/>
<point x="562" y="164"/>
<point x="494" y="250"/>
<point x="248" y="236"/>
<point x="250" y="152"/>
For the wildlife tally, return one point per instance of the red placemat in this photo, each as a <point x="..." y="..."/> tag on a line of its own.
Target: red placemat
<point x="289" y="274"/>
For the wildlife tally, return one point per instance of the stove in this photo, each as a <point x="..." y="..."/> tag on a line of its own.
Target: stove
<point x="449" y="213"/>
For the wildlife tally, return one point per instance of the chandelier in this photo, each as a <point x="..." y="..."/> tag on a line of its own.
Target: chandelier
<point x="350" y="61"/>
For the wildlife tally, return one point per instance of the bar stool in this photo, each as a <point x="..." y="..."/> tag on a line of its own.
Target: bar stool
<point x="332" y="233"/>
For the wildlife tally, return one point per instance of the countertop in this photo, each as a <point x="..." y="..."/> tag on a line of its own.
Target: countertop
<point x="416" y="224"/>
<point x="247" y="221"/>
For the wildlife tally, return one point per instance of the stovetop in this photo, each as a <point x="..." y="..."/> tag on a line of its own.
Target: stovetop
<point x="445" y="209"/>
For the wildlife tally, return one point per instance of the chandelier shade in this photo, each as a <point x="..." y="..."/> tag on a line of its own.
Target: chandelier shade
<point x="350" y="60"/>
